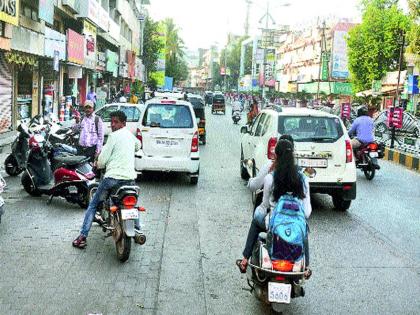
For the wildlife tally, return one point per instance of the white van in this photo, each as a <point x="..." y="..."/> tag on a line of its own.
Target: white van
<point x="169" y="136"/>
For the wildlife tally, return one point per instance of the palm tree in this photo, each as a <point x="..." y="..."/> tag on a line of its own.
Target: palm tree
<point x="174" y="50"/>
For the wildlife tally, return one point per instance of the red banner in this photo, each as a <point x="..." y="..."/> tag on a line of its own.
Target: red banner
<point x="345" y="110"/>
<point x="75" y="47"/>
<point x="395" y="117"/>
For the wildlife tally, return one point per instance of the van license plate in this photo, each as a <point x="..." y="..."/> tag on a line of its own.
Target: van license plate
<point x="129" y="214"/>
<point x="279" y="292"/>
<point x="167" y="143"/>
<point x="313" y="163"/>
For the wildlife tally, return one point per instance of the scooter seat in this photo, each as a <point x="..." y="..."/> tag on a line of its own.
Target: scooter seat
<point x="71" y="160"/>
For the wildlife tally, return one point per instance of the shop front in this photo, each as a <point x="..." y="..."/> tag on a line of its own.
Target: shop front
<point x="73" y="72"/>
<point x="27" y="47"/>
<point x="51" y="71"/>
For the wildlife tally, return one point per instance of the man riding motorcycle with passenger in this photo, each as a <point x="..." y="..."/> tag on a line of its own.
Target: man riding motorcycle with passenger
<point x="362" y="129"/>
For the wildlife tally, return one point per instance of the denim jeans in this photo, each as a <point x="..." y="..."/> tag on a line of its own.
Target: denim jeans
<point x="104" y="188"/>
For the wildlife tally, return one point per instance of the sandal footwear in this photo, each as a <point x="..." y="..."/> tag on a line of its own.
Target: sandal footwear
<point x="307" y="274"/>
<point x="80" y="242"/>
<point x="242" y="268"/>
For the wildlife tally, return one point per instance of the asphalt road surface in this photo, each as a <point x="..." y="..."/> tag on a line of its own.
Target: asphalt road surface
<point x="364" y="261"/>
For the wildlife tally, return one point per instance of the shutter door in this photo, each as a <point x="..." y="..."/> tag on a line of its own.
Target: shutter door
<point x="5" y="96"/>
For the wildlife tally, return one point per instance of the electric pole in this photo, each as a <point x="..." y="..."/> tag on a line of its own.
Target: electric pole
<point x="323" y="46"/>
<point x="248" y="6"/>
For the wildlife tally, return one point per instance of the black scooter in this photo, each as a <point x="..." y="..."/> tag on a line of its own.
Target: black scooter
<point x="15" y="162"/>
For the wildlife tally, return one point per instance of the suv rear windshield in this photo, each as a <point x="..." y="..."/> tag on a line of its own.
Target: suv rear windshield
<point x="167" y="116"/>
<point x="311" y="129"/>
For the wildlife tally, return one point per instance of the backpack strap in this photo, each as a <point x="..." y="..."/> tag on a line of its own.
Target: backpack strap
<point x="96" y="124"/>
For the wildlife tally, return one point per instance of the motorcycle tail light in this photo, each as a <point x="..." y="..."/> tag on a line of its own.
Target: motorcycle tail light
<point x="373" y="147"/>
<point x="282" y="265"/>
<point x="279" y="278"/>
<point x="129" y="201"/>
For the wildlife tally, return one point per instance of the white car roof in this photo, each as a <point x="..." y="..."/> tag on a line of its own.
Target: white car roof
<point x="118" y="104"/>
<point x="171" y="101"/>
<point x="293" y="111"/>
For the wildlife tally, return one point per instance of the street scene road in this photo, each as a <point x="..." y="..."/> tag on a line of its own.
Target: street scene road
<point x="364" y="261"/>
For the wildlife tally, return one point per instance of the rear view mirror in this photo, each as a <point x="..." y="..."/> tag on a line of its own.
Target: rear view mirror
<point x="244" y="129"/>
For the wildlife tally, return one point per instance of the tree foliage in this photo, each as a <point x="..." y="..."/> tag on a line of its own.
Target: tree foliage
<point x="413" y="35"/>
<point x="374" y="45"/>
<point x="151" y="47"/>
<point x="176" y="65"/>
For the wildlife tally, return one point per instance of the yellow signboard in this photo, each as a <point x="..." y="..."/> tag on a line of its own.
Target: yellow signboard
<point x="9" y="11"/>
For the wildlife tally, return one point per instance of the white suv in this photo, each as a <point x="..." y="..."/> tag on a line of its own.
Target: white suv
<point x="169" y="136"/>
<point x="322" y="148"/>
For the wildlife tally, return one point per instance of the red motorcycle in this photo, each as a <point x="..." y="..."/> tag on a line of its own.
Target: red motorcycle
<point x="367" y="157"/>
<point x="71" y="180"/>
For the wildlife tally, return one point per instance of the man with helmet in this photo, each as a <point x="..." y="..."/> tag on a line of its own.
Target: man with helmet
<point x="362" y="128"/>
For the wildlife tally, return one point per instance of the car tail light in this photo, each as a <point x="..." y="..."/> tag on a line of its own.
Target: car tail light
<point x="347" y="187"/>
<point x="140" y="137"/>
<point x="194" y="143"/>
<point x="271" y="148"/>
<point x="282" y="265"/>
<point x="349" y="152"/>
<point x="129" y="201"/>
<point x="373" y="147"/>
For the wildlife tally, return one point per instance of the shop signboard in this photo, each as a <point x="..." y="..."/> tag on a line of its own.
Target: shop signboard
<point x="9" y="11"/>
<point x="100" y="61"/>
<point x="46" y="11"/>
<point x="54" y="41"/>
<point x="75" y="47"/>
<point x="395" y="117"/>
<point x="413" y="84"/>
<point x="27" y="41"/>
<point x="339" y="56"/>
<point x="89" y="31"/>
<point x="111" y="62"/>
<point x="90" y="9"/>
<point x="114" y="30"/>
<point x="75" y="72"/>
<point x="103" y="19"/>
<point x="389" y="102"/>
<point x="342" y="88"/>
<point x="325" y="63"/>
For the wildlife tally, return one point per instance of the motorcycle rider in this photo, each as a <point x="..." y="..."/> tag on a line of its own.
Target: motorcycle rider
<point x="285" y="178"/>
<point x="91" y="130"/>
<point x="117" y="157"/>
<point x="236" y="107"/>
<point x="362" y="129"/>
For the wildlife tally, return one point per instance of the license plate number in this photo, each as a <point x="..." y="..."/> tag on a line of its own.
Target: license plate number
<point x="373" y="154"/>
<point x="313" y="162"/>
<point x="167" y="143"/>
<point x="279" y="292"/>
<point x="129" y="214"/>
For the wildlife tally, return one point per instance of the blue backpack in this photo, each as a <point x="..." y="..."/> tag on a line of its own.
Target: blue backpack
<point x="287" y="229"/>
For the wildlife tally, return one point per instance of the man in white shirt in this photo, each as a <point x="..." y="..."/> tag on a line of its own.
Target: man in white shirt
<point x="117" y="157"/>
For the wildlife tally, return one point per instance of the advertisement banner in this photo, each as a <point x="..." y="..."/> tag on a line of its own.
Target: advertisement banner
<point x="111" y="62"/>
<point x="9" y="11"/>
<point x="395" y="117"/>
<point x="75" y="47"/>
<point x="389" y="102"/>
<point x="100" y="61"/>
<point x="345" y="110"/>
<point x="339" y="56"/>
<point x="54" y="41"/>
<point x="46" y="11"/>
<point x="27" y="41"/>
<point x="325" y="66"/>
<point x="89" y="31"/>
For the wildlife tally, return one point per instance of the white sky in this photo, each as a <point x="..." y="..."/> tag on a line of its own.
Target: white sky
<point x="205" y="22"/>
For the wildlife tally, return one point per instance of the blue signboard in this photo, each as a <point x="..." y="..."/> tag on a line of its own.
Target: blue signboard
<point x="413" y="84"/>
<point x="169" y="83"/>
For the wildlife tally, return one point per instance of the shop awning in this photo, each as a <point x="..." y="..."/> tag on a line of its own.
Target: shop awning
<point x="384" y="90"/>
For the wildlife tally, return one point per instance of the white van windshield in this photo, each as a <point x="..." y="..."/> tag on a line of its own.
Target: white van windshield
<point x="167" y="116"/>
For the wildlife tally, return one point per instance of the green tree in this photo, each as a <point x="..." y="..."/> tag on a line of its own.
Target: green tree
<point x="151" y="48"/>
<point x="413" y="36"/>
<point x="374" y="45"/>
<point x="176" y="66"/>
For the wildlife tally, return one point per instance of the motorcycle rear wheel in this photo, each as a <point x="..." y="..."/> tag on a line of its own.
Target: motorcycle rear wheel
<point x="369" y="171"/>
<point x="28" y="186"/>
<point x="11" y="166"/>
<point x="123" y="245"/>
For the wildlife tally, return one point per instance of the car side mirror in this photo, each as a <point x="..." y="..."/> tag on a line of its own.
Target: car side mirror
<point x="244" y="129"/>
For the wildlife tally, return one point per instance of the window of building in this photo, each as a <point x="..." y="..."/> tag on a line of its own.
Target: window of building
<point x="30" y="10"/>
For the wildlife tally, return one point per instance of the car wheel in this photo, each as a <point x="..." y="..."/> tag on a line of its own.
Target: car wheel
<point x="381" y="127"/>
<point x="339" y="203"/>
<point x="243" y="170"/>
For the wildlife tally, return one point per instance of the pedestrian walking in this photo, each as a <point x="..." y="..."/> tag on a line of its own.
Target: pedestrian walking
<point x="91" y="130"/>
